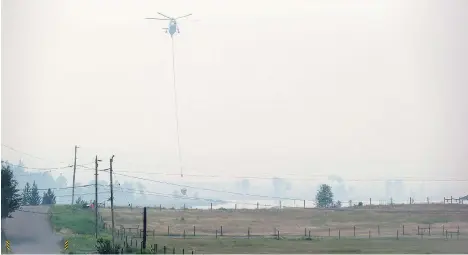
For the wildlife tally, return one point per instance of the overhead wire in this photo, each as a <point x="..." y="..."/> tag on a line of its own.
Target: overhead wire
<point x="215" y="190"/>
<point x="206" y="189"/>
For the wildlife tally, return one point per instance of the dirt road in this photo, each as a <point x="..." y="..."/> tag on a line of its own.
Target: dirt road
<point x="30" y="231"/>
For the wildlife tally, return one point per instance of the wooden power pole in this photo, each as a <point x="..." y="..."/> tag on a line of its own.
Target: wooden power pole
<point x="112" y="199"/>
<point x="144" y="228"/>
<point x="74" y="172"/>
<point x="96" y="193"/>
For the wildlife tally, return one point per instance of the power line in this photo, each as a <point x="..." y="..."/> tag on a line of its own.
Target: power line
<point x="298" y="178"/>
<point x="27" y="154"/>
<point x="207" y="189"/>
<point x="39" y="168"/>
<point x="180" y="197"/>
<point x="234" y="177"/>
<point x="82" y="186"/>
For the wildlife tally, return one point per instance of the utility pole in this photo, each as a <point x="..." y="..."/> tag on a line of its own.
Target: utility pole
<point x="144" y="227"/>
<point x="112" y="198"/>
<point x="74" y="172"/>
<point x="96" y="193"/>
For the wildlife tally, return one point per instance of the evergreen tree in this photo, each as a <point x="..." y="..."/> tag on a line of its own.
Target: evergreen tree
<point x="11" y="199"/>
<point x="35" y="198"/>
<point x="48" y="198"/>
<point x="324" y="197"/>
<point x="26" y="194"/>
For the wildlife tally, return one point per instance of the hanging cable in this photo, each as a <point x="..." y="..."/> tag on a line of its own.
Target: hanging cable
<point x="176" y="104"/>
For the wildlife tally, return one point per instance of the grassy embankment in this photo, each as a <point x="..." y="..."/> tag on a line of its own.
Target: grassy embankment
<point x="78" y="226"/>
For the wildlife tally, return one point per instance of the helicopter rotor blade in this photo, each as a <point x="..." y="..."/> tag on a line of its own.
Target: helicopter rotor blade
<point x="183" y="16"/>
<point x="164" y="15"/>
<point x="157" y="18"/>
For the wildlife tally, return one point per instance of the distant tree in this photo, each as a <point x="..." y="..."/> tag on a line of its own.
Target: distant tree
<point x="360" y="204"/>
<point x="26" y="194"/>
<point x="48" y="198"/>
<point x="338" y="204"/>
<point x="324" y="197"/>
<point x="280" y="186"/>
<point x="175" y="194"/>
<point x="80" y="201"/>
<point x="11" y="199"/>
<point x="35" y="198"/>
<point x="245" y="184"/>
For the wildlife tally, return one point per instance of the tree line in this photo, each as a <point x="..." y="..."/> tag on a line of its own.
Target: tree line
<point x="31" y="196"/>
<point x="12" y="199"/>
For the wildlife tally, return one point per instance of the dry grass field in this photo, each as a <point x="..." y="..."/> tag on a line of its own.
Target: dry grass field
<point x="295" y="221"/>
<point x="79" y="224"/>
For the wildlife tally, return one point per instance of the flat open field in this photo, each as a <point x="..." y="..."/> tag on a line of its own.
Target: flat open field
<point x="77" y="226"/>
<point x="381" y="221"/>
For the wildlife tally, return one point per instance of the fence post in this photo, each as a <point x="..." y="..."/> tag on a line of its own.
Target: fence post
<point x="370" y="201"/>
<point x="221" y="230"/>
<point x="354" y="231"/>
<point x="418" y="229"/>
<point x="216" y="234"/>
<point x="369" y="234"/>
<point x="278" y="234"/>
<point x="397" y="234"/>
<point x="183" y="251"/>
<point x="193" y="230"/>
<point x="443" y="229"/>
<point x="403" y="229"/>
<point x="257" y="205"/>
<point x="211" y="207"/>
<point x="164" y="249"/>
<point x="248" y="232"/>
<point x="184" y="233"/>
<point x="167" y="230"/>
<point x="156" y="248"/>
<point x="305" y="231"/>
<point x="378" y="230"/>
<point x="173" y="250"/>
<point x="339" y="233"/>
<point x="309" y="233"/>
<point x="329" y="231"/>
<point x="160" y="207"/>
<point x="304" y="204"/>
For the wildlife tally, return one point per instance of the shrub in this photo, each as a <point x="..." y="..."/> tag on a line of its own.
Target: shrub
<point x="104" y="246"/>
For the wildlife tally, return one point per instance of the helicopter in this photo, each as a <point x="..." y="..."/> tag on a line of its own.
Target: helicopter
<point x="173" y="27"/>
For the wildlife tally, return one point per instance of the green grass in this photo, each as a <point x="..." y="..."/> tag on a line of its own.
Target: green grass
<point x="77" y="225"/>
<point x="73" y="218"/>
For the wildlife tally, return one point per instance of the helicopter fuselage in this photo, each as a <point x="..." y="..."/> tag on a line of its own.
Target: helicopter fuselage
<point x="172" y="27"/>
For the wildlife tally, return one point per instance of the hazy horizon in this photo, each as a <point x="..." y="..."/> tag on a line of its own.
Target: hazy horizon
<point x="367" y="91"/>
